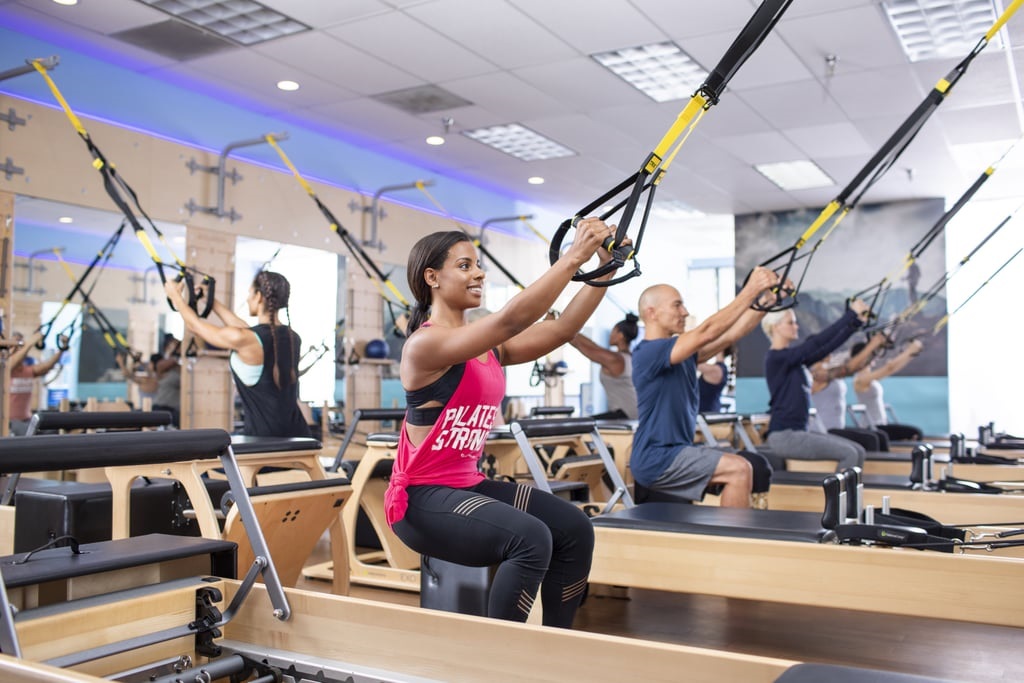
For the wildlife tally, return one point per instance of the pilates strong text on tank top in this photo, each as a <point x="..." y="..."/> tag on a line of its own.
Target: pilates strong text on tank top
<point x="448" y="454"/>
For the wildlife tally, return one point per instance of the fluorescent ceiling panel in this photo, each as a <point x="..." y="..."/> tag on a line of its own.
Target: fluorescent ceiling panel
<point x="244" y="22"/>
<point x="795" y="175"/>
<point x="932" y="29"/>
<point x="662" y="71"/>
<point x="520" y="142"/>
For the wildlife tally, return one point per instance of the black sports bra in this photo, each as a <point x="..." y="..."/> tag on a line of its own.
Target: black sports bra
<point x="440" y="390"/>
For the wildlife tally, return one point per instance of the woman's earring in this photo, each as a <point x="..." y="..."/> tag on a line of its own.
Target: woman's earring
<point x="435" y="285"/>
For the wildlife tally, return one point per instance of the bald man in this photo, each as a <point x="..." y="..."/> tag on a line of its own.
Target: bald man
<point x="664" y="457"/>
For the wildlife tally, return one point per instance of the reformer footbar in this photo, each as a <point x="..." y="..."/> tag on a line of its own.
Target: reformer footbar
<point x="654" y="167"/>
<point x="385" y="287"/>
<point x="115" y="185"/>
<point x="875" y="294"/>
<point x="874" y="169"/>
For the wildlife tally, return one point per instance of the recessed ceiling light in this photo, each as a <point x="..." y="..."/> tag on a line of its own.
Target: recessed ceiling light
<point x="287" y="85"/>
<point x="535" y="180"/>
<point x="435" y="140"/>
<point x="66" y="2"/>
<point x="930" y="29"/>
<point x="65" y="219"/>
<point x="245" y="22"/>
<point x="795" y="175"/>
<point x="520" y="142"/>
<point x="662" y="71"/>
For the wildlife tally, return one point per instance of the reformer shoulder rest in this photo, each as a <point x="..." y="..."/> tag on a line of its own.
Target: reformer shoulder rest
<point x="48" y="421"/>
<point x="73" y="451"/>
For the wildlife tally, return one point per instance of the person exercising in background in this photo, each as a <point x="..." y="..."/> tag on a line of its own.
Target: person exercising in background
<point x="264" y="358"/>
<point x="616" y="367"/>
<point x="24" y="373"/>
<point x="867" y="384"/>
<point x="714" y="376"/>
<point x="664" y="457"/>
<point x="786" y="370"/>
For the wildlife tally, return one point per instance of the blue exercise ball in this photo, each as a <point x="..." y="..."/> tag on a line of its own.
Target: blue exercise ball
<point x="377" y="348"/>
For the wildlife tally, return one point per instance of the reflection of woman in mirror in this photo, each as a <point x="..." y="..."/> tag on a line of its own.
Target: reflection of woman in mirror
<point x="264" y="358"/>
<point x="438" y="502"/>
<point x="24" y="372"/>
<point x="616" y="367"/>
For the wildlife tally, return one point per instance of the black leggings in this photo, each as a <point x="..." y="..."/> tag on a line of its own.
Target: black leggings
<point x="537" y="540"/>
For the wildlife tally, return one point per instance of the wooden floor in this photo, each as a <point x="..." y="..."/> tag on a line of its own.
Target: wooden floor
<point x="948" y="649"/>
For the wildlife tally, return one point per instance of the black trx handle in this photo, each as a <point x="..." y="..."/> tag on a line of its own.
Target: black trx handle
<point x="651" y="172"/>
<point x="887" y="155"/>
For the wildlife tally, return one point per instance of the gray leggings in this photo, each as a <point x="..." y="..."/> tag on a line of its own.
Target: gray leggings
<point x="790" y="443"/>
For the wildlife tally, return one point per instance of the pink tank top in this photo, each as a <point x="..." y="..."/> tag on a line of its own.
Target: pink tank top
<point x="449" y="453"/>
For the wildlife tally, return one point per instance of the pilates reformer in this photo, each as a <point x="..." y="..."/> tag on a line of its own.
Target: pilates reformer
<point x="795" y="557"/>
<point x="343" y="461"/>
<point x="294" y="514"/>
<point x="163" y="625"/>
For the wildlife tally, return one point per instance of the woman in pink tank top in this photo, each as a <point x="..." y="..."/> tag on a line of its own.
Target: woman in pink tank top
<point x="438" y="502"/>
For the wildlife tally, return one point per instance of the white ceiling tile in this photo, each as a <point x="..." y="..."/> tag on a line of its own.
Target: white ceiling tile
<point x="610" y="24"/>
<point x="493" y="29"/>
<point x="508" y="95"/>
<point x="582" y="84"/>
<point x="377" y="121"/>
<point x="322" y="14"/>
<point x="980" y="124"/>
<point x="696" y="17"/>
<point x="837" y="139"/>
<point x="407" y="44"/>
<point x="101" y="16"/>
<point x="859" y="93"/>
<point x="760" y="148"/>
<point x="339" y="63"/>
<point x="842" y="34"/>
<point x="792" y="105"/>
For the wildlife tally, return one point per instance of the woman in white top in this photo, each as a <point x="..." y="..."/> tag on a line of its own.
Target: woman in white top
<point x="868" y="387"/>
<point x="616" y="367"/>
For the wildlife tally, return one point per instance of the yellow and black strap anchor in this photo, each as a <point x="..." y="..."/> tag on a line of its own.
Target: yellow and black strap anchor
<point x="388" y="291"/>
<point x="878" y="165"/>
<point x="877" y="292"/>
<point x="115" y="185"/>
<point x="945" y="319"/>
<point x="651" y="172"/>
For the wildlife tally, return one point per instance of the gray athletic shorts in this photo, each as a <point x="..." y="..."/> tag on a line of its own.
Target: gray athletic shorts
<point x="690" y="472"/>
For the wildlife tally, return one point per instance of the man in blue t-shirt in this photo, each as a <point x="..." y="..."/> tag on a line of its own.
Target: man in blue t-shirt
<point x="665" y="375"/>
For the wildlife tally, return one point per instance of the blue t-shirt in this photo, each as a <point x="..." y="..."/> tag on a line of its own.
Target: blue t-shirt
<point x="667" y="401"/>
<point x="789" y="380"/>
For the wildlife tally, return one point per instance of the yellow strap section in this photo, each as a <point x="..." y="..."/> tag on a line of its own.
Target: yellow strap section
<point x="64" y="264"/>
<point x="272" y="141"/>
<point x="939" y="325"/>
<point x="423" y="188"/>
<point x="60" y="98"/>
<point x="148" y="246"/>
<point x="1007" y="13"/>
<point x="398" y="295"/>
<point x="535" y="231"/>
<point x="695" y="106"/>
<point x="672" y="156"/>
<point x="825" y="214"/>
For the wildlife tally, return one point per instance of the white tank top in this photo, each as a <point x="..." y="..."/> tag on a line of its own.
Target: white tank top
<point x="620" y="390"/>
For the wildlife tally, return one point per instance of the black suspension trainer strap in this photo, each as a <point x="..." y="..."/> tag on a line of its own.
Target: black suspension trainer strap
<point x="387" y="289"/>
<point x="875" y="168"/>
<point x="626" y="196"/>
<point x="117" y="188"/>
